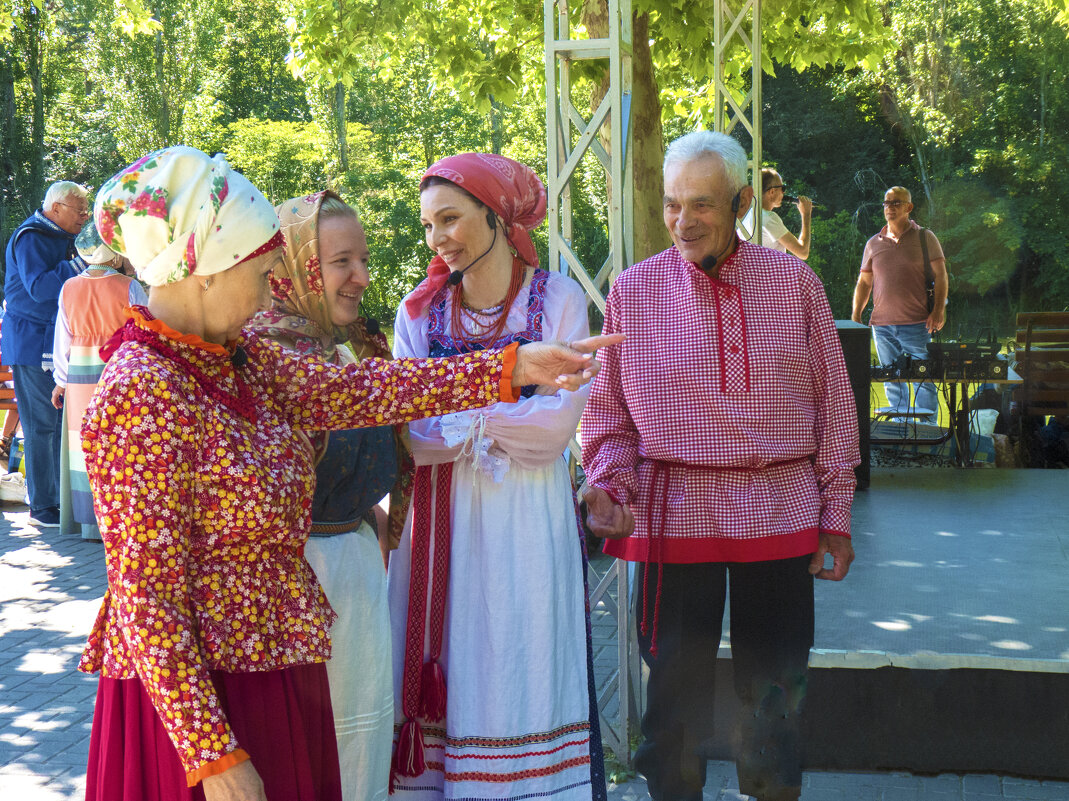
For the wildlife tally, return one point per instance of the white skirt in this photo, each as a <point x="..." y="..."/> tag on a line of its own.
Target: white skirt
<point x="515" y="652"/>
<point x="349" y="566"/>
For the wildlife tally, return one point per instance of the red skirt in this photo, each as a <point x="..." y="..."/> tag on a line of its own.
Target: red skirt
<point x="282" y="718"/>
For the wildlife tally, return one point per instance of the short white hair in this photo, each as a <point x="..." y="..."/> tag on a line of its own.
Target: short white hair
<point x="705" y="144"/>
<point x="61" y="190"/>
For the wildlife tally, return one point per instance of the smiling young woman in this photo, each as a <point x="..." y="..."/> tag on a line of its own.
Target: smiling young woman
<point x="490" y="573"/>
<point x="316" y="312"/>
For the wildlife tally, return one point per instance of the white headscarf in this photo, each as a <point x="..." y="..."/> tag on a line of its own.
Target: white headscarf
<point x="178" y="211"/>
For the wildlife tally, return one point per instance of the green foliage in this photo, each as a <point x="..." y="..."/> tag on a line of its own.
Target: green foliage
<point x="616" y="772"/>
<point x="31" y="77"/>
<point x="967" y="103"/>
<point x="329" y="39"/>
<point x="151" y="84"/>
<point x="249" y="75"/>
<point x="981" y="237"/>
<point x="798" y="34"/>
<point x="283" y="159"/>
<point x="133" y="18"/>
<point x="836" y="258"/>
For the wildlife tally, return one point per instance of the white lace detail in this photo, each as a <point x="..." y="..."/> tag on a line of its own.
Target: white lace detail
<point x="469" y="429"/>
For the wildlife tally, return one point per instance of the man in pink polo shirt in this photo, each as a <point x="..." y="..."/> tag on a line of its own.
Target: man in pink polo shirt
<point x="720" y="439"/>
<point x="892" y="272"/>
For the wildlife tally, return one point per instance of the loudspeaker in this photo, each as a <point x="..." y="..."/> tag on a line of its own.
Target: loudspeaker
<point x="854" y="339"/>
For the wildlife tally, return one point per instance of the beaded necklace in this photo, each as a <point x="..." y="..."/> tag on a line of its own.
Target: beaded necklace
<point x="462" y="316"/>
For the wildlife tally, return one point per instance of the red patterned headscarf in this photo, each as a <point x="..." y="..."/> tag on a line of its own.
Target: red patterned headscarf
<point x="511" y="190"/>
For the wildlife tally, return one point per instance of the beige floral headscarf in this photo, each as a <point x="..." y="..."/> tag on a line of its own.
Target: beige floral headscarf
<point x="177" y="211"/>
<point x="300" y="320"/>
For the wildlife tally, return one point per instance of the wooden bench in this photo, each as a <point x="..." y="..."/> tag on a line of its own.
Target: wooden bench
<point x="1043" y="362"/>
<point x="7" y="393"/>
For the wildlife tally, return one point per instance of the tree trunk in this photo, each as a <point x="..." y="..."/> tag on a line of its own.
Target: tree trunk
<point x="926" y="182"/>
<point x="339" y="122"/>
<point x="1043" y="97"/>
<point x="497" y="133"/>
<point x="647" y="146"/>
<point x="7" y="144"/>
<point x="647" y="143"/>
<point x="35" y="31"/>
<point x="164" y="120"/>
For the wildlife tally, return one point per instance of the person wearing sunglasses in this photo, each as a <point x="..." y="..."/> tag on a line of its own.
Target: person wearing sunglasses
<point x="895" y="275"/>
<point x="774" y="233"/>
<point x="40" y="257"/>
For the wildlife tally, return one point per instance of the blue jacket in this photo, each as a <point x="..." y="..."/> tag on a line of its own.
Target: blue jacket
<point x="38" y="258"/>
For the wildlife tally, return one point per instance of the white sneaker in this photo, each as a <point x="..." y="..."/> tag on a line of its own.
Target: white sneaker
<point x="13" y="488"/>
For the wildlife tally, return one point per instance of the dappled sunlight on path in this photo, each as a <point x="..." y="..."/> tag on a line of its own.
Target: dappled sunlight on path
<point x="50" y="590"/>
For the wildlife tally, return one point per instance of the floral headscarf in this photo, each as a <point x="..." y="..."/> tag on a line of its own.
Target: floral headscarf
<point x="511" y="190"/>
<point x="178" y="211"/>
<point x="300" y="320"/>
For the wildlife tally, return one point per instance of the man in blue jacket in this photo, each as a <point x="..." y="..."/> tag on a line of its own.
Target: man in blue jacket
<point x="39" y="259"/>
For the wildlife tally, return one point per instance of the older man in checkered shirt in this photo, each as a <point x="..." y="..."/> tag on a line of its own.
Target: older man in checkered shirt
<point x="720" y="439"/>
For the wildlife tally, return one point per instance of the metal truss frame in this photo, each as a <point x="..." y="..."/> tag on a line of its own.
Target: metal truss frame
<point x="730" y="29"/>
<point x="571" y="136"/>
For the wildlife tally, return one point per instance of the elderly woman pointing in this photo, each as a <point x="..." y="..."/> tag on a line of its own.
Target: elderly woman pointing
<point x="212" y="635"/>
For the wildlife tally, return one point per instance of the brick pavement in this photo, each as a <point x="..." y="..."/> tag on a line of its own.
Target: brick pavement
<point x="50" y="587"/>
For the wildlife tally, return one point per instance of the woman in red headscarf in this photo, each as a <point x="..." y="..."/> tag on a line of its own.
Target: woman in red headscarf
<point x="488" y="602"/>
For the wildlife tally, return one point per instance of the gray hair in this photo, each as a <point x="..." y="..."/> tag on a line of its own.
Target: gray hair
<point x="61" y="190"/>
<point x="705" y="144"/>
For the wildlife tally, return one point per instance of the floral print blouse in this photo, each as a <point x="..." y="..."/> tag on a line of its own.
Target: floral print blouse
<point x="203" y="490"/>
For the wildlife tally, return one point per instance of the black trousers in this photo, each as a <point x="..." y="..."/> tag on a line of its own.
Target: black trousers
<point x="771" y="634"/>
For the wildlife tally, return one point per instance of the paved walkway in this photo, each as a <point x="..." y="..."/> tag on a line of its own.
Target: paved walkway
<point x="50" y="587"/>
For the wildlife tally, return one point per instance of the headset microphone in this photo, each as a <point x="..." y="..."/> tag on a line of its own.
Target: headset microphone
<point x="709" y="262"/>
<point x="371" y="325"/>
<point x="456" y="277"/>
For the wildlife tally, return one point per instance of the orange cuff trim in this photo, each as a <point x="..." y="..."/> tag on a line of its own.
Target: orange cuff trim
<point x="214" y="768"/>
<point x="509" y="357"/>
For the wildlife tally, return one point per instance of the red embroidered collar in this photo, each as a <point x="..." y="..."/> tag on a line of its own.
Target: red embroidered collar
<point x="142" y="327"/>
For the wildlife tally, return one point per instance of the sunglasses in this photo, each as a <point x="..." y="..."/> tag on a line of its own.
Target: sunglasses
<point x="777" y="186"/>
<point x="893" y="204"/>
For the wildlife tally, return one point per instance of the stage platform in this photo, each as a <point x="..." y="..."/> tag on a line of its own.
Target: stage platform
<point x="954" y="568"/>
<point x="947" y="646"/>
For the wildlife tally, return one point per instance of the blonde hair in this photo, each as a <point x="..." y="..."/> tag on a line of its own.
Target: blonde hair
<point x="901" y="190"/>
<point x="333" y="206"/>
<point x="768" y="175"/>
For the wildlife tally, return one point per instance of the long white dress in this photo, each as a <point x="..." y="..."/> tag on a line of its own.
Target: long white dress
<point x="521" y="718"/>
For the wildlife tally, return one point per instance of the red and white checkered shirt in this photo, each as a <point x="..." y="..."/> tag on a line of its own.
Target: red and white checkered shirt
<point x="725" y="420"/>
